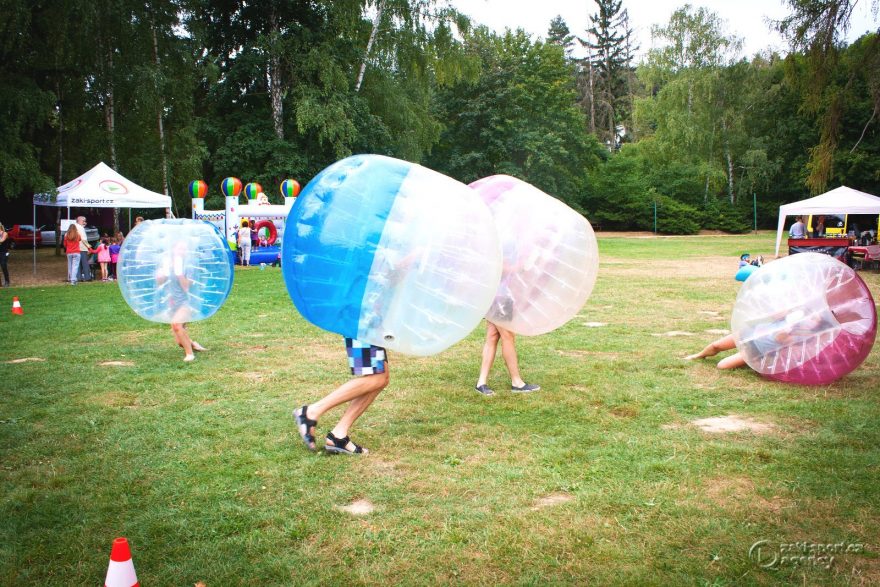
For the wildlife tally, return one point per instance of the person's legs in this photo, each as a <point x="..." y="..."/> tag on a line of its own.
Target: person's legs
<point x="490" y="347"/>
<point x="731" y="362"/>
<point x="508" y="352"/>
<point x="361" y="392"/>
<point x="84" y="269"/>
<point x="713" y="348"/>
<point x="4" y="265"/>
<point x="195" y="346"/>
<point x="181" y="336"/>
<point x="103" y="271"/>
<point x="73" y="262"/>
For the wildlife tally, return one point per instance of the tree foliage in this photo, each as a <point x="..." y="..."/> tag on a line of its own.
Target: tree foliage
<point x="175" y="90"/>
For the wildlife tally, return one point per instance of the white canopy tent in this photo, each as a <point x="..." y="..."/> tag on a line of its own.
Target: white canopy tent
<point x="99" y="187"/>
<point x="842" y="200"/>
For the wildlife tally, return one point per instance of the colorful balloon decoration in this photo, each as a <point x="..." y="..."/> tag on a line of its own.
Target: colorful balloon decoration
<point x="175" y="270"/>
<point x="198" y="189"/>
<point x="231" y="187"/>
<point x="289" y="188"/>
<point x="392" y="254"/>
<point x="551" y="257"/>
<point x="252" y="189"/>
<point x="806" y="318"/>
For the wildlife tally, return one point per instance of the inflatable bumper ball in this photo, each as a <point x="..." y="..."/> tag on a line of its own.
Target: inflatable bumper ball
<point x="175" y="270"/>
<point x="392" y="254"/>
<point x="806" y="318"/>
<point x="551" y="258"/>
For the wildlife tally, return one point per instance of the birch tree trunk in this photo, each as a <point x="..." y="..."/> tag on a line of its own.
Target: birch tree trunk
<point x="110" y="121"/>
<point x="592" y="92"/>
<point x="159" y="112"/>
<point x="59" y="179"/>
<point x="372" y="39"/>
<point x="275" y="87"/>
<point x="729" y="158"/>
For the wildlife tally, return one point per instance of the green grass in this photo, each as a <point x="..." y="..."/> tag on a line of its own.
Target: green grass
<point x="200" y="466"/>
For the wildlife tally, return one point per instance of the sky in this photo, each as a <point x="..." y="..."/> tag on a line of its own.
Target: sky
<point x="746" y="19"/>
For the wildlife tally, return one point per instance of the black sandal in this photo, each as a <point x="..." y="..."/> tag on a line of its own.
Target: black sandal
<point x="305" y="427"/>
<point x="339" y="446"/>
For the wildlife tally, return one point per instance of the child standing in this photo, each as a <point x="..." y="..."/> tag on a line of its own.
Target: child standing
<point x="114" y="255"/>
<point x="103" y="252"/>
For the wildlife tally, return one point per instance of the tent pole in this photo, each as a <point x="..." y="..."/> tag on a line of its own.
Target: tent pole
<point x="35" y="240"/>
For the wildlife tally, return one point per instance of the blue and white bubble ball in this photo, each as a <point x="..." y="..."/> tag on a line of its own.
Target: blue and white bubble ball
<point x="175" y="270"/>
<point x="392" y="254"/>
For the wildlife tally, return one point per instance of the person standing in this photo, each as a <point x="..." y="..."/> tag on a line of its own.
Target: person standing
<point x="114" y="255"/>
<point x="369" y="365"/>
<point x="494" y="333"/>
<point x="103" y="251"/>
<point x="85" y="272"/>
<point x="798" y="229"/>
<point x="5" y="243"/>
<point x="244" y="243"/>
<point x="72" y="241"/>
<point x="172" y="274"/>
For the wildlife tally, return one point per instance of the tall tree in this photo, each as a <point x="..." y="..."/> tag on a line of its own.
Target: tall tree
<point x="817" y="27"/>
<point x="607" y="65"/>
<point x="518" y="117"/>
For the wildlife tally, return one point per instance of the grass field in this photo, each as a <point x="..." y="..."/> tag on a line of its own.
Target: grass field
<point x="599" y="478"/>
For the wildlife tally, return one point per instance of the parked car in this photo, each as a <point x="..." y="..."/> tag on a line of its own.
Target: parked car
<point x="47" y="235"/>
<point x="22" y="235"/>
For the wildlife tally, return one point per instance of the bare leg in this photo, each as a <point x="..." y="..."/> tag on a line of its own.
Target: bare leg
<point x="731" y="362"/>
<point x="361" y="392"/>
<point x="508" y="351"/>
<point x="490" y="347"/>
<point x="195" y="346"/>
<point x="181" y="336"/>
<point x="722" y="344"/>
<point x="348" y="391"/>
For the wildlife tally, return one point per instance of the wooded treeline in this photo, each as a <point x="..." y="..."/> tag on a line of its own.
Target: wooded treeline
<point x="167" y="91"/>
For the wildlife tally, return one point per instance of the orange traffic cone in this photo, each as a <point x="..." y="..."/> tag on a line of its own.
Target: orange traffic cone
<point x="121" y="573"/>
<point x="16" y="306"/>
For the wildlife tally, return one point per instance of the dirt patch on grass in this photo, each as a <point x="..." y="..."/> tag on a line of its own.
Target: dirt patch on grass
<point x="116" y="364"/>
<point x="625" y="411"/>
<point x="595" y="324"/>
<point x="732" y="423"/>
<point x="552" y="500"/>
<point x="25" y="360"/>
<point x="737" y="492"/>
<point x="673" y="333"/>
<point x="360" y="507"/>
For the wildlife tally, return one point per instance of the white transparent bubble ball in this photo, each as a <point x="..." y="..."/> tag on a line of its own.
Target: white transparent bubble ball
<point x="392" y="254"/>
<point x="551" y="258"/>
<point x="806" y="318"/>
<point x="175" y="270"/>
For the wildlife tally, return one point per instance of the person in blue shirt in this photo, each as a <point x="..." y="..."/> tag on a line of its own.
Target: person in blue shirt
<point x="798" y="229"/>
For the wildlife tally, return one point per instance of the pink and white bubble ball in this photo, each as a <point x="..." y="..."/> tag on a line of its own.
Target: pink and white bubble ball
<point x="806" y="318"/>
<point x="550" y="256"/>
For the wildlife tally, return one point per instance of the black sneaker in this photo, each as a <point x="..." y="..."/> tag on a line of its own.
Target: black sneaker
<point x="484" y="389"/>
<point x="526" y="388"/>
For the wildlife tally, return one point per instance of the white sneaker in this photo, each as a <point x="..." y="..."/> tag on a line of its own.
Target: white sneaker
<point x="189" y="358"/>
<point x="197" y="347"/>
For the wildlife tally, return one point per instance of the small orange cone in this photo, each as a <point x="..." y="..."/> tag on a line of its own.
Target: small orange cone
<point x="16" y="306"/>
<point x="121" y="573"/>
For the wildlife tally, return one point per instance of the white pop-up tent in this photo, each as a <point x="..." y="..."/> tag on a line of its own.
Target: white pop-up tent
<point x="842" y="200"/>
<point x="99" y="187"/>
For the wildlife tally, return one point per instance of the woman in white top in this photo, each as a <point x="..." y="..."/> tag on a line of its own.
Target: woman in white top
<point x="244" y="243"/>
